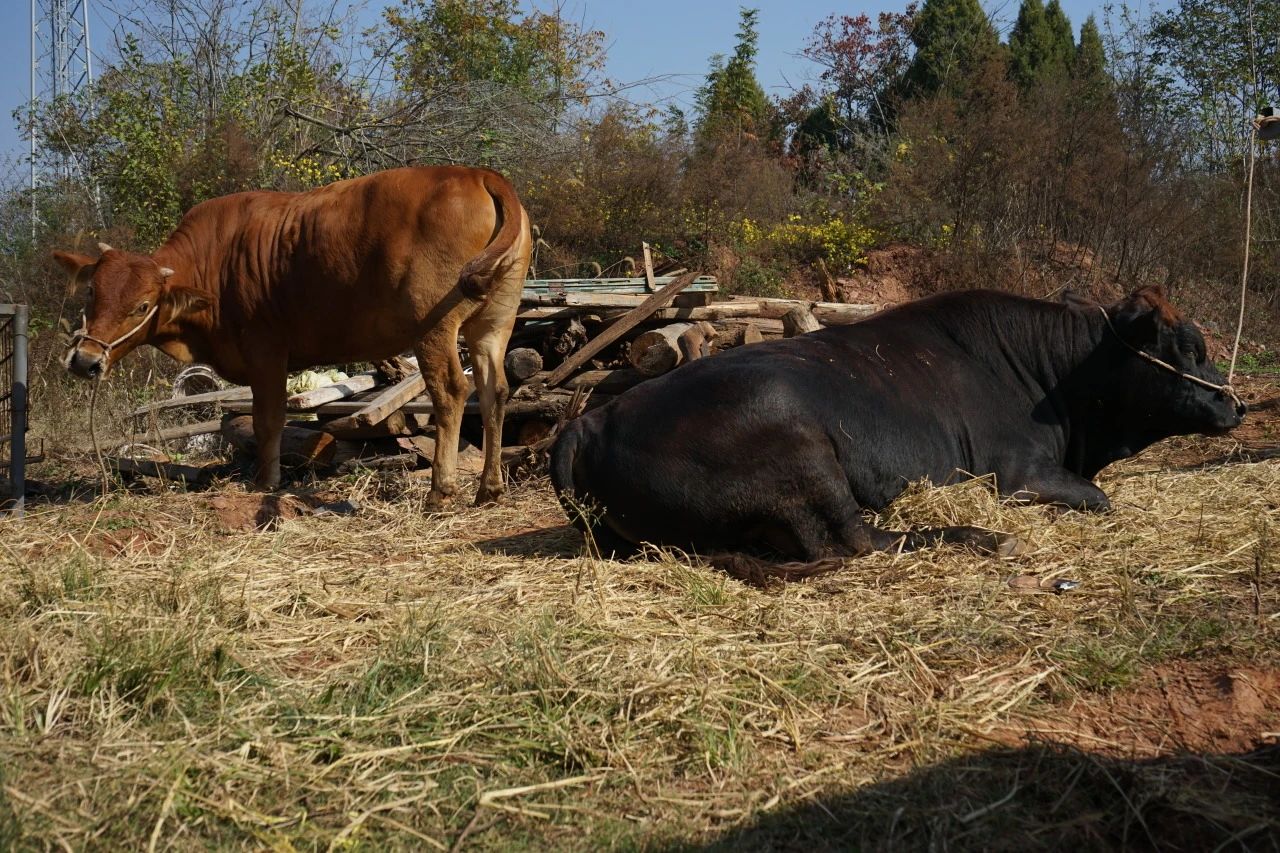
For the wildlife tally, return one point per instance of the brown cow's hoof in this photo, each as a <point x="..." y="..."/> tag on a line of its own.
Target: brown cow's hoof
<point x="489" y="497"/>
<point x="438" y="501"/>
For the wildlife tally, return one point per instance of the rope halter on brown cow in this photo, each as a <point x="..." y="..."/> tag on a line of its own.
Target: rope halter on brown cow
<point x="81" y="335"/>
<point x="1224" y="389"/>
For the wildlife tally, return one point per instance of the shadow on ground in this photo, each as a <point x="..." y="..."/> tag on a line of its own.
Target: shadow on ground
<point x="1037" y="797"/>
<point x="562" y="542"/>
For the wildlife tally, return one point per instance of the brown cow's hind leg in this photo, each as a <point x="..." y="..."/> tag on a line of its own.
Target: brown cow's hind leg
<point x="487" y="344"/>
<point x="447" y="385"/>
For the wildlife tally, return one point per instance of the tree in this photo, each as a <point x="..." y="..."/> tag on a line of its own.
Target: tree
<point x="1031" y="44"/>
<point x="952" y="38"/>
<point x="1090" y="66"/>
<point x="1214" y="78"/>
<point x="1063" y="46"/>
<point x="862" y="65"/>
<point x="449" y="44"/>
<point x="731" y="101"/>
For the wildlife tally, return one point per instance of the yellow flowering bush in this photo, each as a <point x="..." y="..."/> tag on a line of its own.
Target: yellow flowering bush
<point x="839" y="241"/>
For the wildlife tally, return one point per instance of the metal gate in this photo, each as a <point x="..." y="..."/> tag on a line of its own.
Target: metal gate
<point x="13" y="406"/>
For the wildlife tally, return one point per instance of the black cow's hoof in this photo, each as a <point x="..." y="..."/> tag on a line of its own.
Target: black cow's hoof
<point x="1010" y="546"/>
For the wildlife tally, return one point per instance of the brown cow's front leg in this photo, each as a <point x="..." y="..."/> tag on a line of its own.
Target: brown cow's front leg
<point x="447" y="385"/>
<point x="268" y="425"/>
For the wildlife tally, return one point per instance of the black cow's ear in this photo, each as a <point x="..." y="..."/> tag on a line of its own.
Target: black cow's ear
<point x="79" y="267"/>
<point x="1136" y="320"/>
<point x="1070" y="297"/>
<point x="177" y="301"/>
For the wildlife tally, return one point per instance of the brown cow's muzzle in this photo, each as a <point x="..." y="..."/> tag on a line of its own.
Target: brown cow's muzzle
<point x="86" y="365"/>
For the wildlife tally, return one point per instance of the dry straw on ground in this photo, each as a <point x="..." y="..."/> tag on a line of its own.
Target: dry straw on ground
<point x="471" y="680"/>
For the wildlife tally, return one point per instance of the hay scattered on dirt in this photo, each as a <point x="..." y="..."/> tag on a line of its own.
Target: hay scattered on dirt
<point x="424" y="680"/>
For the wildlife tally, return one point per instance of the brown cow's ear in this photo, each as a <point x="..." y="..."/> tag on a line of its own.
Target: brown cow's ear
<point x="79" y="267"/>
<point x="177" y="301"/>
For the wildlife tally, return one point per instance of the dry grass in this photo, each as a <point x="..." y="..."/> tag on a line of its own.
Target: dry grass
<point x="470" y="679"/>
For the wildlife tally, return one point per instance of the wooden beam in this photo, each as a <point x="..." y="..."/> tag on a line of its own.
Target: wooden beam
<point x="380" y="407"/>
<point x="419" y="406"/>
<point x="624" y="324"/>
<point x="329" y="393"/>
<point x="239" y="392"/>
<point x="648" y="267"/>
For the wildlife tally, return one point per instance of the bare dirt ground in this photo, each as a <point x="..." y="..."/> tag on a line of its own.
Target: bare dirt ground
<point x="337" y="668"/>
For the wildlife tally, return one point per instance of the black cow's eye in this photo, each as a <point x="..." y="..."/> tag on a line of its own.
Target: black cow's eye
<point x="142" y="309"/>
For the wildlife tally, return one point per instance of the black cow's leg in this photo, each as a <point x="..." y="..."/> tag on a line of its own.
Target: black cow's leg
<point x="860" y="538"/>
<point x="1062" y="488"/>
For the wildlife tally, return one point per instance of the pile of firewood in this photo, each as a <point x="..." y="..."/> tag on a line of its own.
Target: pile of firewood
<point x="572" y="337"/>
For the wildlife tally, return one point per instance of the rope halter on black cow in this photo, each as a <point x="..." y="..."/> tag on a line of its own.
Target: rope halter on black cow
<point x="1225" y="389"/>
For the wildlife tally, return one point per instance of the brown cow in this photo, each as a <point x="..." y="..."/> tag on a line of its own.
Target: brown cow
<point x="257" y="284"/>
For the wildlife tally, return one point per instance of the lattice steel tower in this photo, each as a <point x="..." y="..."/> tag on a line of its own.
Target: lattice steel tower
<point x="61" y="72"/>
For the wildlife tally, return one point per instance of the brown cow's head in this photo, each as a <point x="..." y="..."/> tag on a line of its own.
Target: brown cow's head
<point x="1164" y="399"/>
<point x="130" y="300"/>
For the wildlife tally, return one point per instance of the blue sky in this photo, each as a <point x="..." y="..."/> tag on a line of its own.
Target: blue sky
<point x="646" y="38"/>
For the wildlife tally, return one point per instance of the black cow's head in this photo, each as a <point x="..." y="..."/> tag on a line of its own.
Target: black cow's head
<point x="130" y="300"/>
<point x="1153" y="398"/>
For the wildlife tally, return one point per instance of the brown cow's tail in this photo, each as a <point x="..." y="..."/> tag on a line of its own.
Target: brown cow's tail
<point x="484" y="271"/>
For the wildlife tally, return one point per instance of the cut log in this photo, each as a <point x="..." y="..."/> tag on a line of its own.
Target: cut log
<point x="521" y="363"/>
<point x="799" y="320"/>
<point x="626" y="323"/>
<point x="298" y="446"/>
<point x="395" y="368"/>
<point x="658" y="350"/>
<point x="695" y="343"/>
<point x="338" y="391"/>
<point x="380" y="407"/>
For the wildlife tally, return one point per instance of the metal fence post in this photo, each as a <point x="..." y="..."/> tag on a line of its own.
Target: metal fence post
<point x="18" y="447"/>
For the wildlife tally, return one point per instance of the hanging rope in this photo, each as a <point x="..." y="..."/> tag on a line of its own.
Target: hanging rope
<point x="93" y="434"/>
<point x="1248" y="198"/>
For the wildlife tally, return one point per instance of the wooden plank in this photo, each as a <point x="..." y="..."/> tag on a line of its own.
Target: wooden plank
<point x="239" y="392"/>
<point x="624" y="324"/>
<point x="615" y="300"/>
<point x="381" y="406"/>
<point x="650" y="285"/>
<point x="329" y="393"/>
<point x="191" y="475"/>
<point x="420" y="406"/>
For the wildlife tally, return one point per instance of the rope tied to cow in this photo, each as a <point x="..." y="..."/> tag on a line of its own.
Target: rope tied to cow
<point x="1224" y="389"/>
<point x="81" y="335"/>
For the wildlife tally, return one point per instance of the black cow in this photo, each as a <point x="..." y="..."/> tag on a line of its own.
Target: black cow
<point x="776" y="449"/>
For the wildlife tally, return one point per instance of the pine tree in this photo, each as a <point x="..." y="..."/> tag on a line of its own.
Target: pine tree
<point x="1063" y="50"/>
<point x="1091" y="60"/>
<point x="731" y="100"/>
<point x="1030" y="43"/>
<point x="952" y="38"/>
